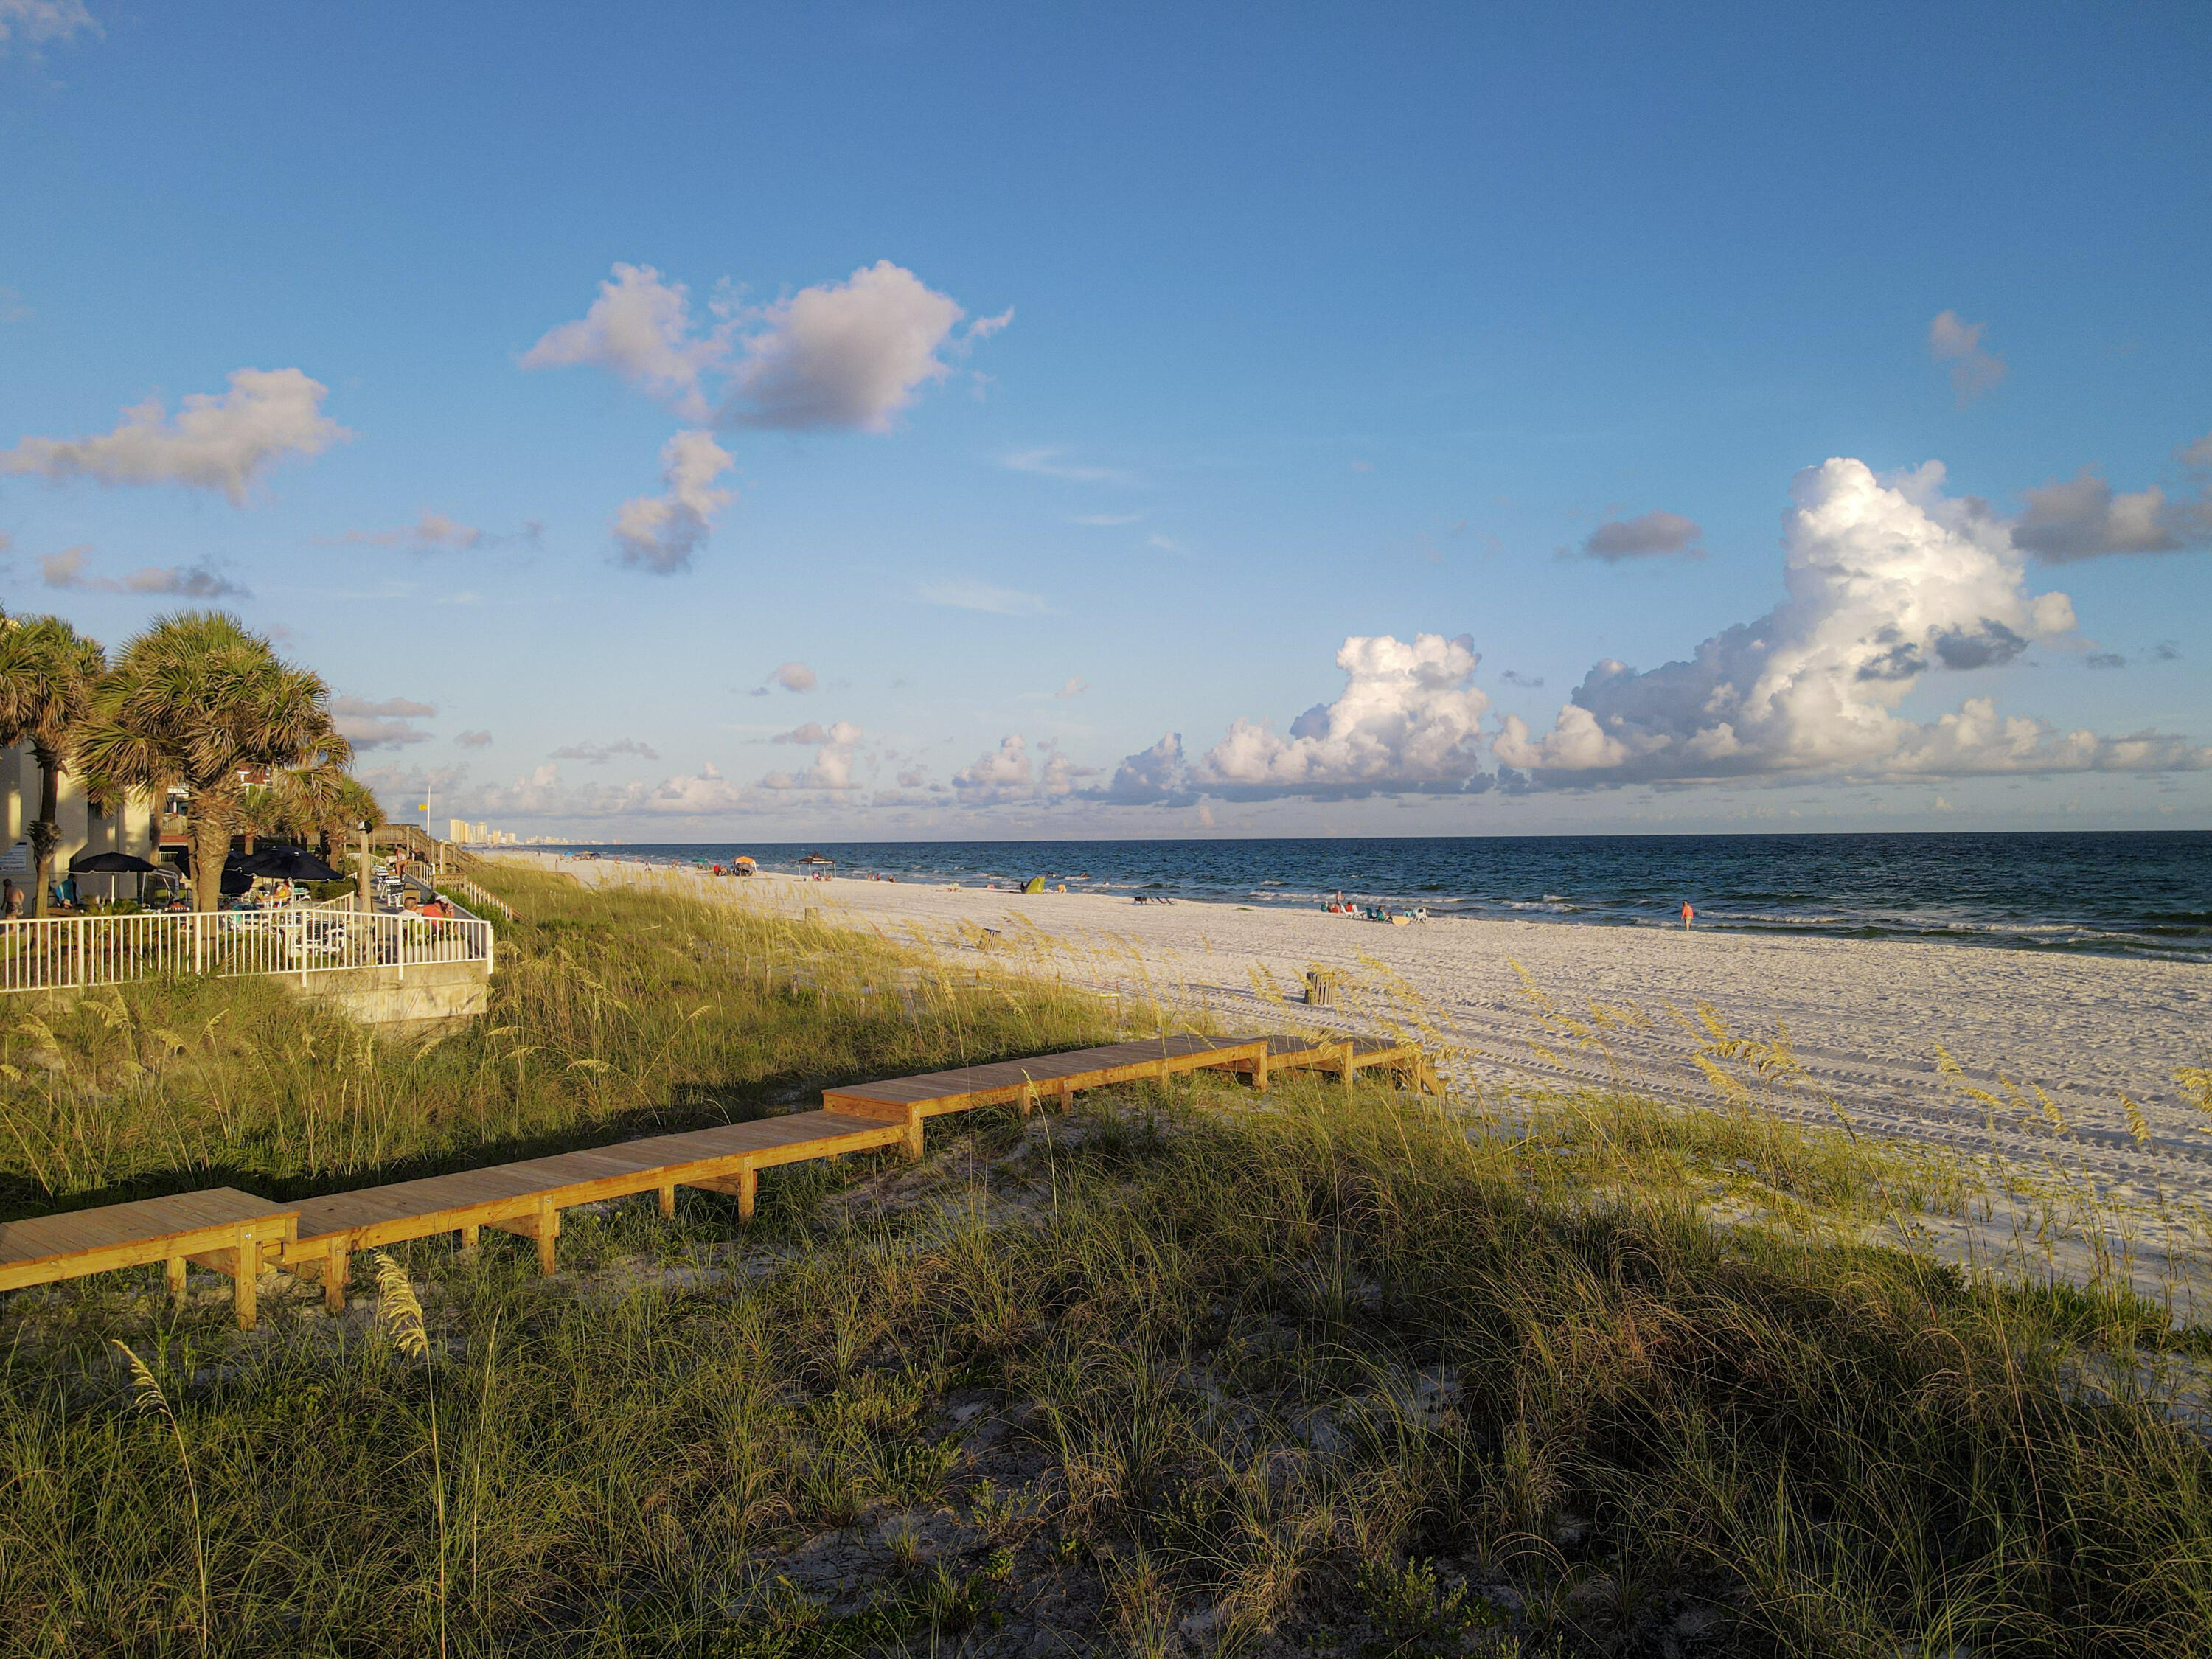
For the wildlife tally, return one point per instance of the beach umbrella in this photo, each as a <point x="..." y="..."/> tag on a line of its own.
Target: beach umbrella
<point x="113" y="863"/>
<point x="110" y="864"/>
<point x="286" y="864"/>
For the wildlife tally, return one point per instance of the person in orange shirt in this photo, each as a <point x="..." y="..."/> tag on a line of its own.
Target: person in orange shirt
<point x="1687" y="913"/>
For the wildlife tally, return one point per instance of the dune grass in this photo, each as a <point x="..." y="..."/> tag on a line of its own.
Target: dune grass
<point x="612" y="1013"/>
<point x="1182" y="1371"/>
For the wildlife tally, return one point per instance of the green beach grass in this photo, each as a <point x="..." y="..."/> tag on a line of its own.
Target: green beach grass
<point x="612" y="1014"/>
<point x="1182" y="1372"/>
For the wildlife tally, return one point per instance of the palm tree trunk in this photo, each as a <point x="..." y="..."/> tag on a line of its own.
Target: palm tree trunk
<point x="46" y="832"/>
<point x="210" y="846"/>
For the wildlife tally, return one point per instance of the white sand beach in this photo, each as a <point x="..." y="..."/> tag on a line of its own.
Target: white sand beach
<point x="1866" y="1017"/>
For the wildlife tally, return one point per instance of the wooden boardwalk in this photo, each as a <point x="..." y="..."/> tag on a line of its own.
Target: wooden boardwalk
<point x="240" y="1235"/>
<point x="910" y="1100"/>
<point x="527" y="1198"/>
<point x="222" y="1228"/>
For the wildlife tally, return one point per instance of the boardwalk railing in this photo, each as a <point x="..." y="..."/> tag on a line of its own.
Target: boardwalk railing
<point x="475" y="894"/>
<point x="65" y="952"/>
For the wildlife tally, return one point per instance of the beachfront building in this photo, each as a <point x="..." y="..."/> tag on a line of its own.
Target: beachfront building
<point x="87" y="825"/>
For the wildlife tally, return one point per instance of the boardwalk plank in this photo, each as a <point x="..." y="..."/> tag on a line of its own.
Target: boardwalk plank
<point x="43" y="1238"/>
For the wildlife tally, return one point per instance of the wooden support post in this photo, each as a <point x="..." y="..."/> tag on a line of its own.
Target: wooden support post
<point x="337" y="1270"/>
<point x="176" y="1272"/>
<point x="244" y="1283"/>
<point x="548" y="1237"/>
<point x="1029" y="1098"/>
<point x="668" y="1200"/>
<point x="1260" y="1069"/>
<point x="470" y="1236"/>
<point x="748" y="1191"/>
<point x="913" y="1135"/>
<point x="1344" y="1064"/>
<point x="1066" y="1094"/>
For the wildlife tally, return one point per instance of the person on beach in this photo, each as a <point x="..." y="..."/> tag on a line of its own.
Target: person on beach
<point x="1687" y="913"/>
<point x="11" y="901"/>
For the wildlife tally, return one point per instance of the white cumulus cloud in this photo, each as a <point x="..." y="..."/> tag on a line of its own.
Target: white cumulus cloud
<point x="847" y="354"/>
<point x="1409" y="719"/>
<point x="1152" y="774"/>
<point x="659" y="533"/>
<point x="212" y="443"/>
<point x="850" y="353"/>
<point x="1888" y="581"/>
<point x="639" y="330"/>
<point x="1006" y="773"/>
<point x="833" y="759"/>
<point x="703" y="793"/>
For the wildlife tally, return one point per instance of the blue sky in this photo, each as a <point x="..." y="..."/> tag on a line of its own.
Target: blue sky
<point x="1379" y="402"/>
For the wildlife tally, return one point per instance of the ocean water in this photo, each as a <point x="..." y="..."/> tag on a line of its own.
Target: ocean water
<point x="2131" y="894"/>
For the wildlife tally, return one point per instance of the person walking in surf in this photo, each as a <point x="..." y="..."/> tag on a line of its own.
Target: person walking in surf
<point x="1687" y="913"/>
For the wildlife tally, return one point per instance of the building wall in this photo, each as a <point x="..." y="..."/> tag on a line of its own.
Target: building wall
<point x="128" y="828"/>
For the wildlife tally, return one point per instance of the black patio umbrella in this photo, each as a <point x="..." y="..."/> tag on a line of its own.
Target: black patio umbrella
<point x="110" y="864"/>
<point x="286" y="864"/>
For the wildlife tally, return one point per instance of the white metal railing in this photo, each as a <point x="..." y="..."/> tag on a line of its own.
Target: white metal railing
<point x="475" y="895"/>
<point x="63" y="952"/>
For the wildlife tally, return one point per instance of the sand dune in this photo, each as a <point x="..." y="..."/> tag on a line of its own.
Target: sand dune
<point x="1867" y="1018"/>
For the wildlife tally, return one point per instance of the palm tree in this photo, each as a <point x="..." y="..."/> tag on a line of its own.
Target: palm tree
<point x="349" y="805"/>
<point x="196" y="700"/>
<point x="47" y="673"/>
<point x="264" y="814"/>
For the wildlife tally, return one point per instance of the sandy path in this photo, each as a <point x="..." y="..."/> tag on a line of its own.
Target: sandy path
<point x="1866" y="1017"/>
